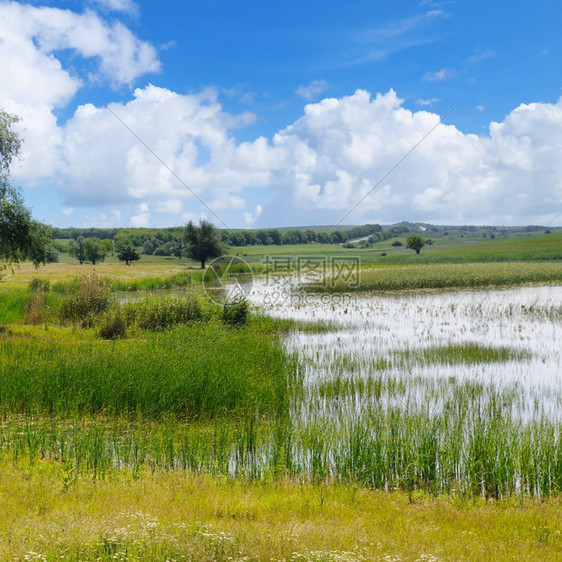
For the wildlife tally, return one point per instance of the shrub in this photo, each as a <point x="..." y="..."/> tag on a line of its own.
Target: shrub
<point x="161" y="252"/>
<point x="397" y="243"/>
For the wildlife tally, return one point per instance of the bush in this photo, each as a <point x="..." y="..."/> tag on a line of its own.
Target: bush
<point x="397" y="243"/>
<point x="235" y="311"/>
<point x="161" y="252"/>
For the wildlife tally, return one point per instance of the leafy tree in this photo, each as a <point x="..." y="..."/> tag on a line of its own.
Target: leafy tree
<point x="203" y="242"/>
<point x="94" y="250"/>
<point x="415" y="242"/>
<point x="20" y="236"/>
<point x="42" y="248"/>
<point x="128" y="254"/>
<point x="77" y="249"/>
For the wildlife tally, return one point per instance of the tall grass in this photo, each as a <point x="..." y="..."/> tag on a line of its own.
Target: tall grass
<point x="194" y="372"/>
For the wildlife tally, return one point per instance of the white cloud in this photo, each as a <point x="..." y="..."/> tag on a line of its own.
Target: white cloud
<point x="326" y="161"/>
<point x="313" y="90"/>
<point x="251" y="218"/>
<point x="124" y="6"/>
<point x="35" y="83"/>
<point x="169" y="206"/>
<point x="426" y="102"/>
<point x="480" y="55"/>
<point x="41" y="32"/>
<point x="67" y="211"/>
<point x="438" y="75"/>
<point x="142" y="218"/>
<point x="341" y="148"/>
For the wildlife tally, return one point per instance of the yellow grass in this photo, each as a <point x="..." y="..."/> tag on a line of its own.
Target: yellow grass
<point x="181" y="516"/>
<point x="25" y="272"/>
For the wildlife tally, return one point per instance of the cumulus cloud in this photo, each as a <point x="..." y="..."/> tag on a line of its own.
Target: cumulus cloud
<point x="341" y="148"/>
<point x="35" y="83"/>
<point x="324" y="162"/>
<point x="43" y="31"/>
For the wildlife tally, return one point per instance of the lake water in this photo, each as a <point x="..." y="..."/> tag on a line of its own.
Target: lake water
<point x="369" y="330"/>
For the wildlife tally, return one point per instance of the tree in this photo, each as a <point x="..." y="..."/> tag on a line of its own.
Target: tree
<point x="415" y="242"/>
<point x="203" y="242"/>
<point x="77" y="249"/>
<point x="94" y="250"/>
<point x="20" y="236"/>
<point x="128" y="254"/>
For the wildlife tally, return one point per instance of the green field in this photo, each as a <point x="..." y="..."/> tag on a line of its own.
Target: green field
<point x="532" y="247"/>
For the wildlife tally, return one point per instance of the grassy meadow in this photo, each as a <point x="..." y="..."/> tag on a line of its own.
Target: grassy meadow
<point x="141" y="420"/>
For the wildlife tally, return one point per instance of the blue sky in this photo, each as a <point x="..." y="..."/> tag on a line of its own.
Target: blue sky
<point x="278" y="114"/>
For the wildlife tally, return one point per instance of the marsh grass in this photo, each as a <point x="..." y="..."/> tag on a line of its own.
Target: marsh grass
<point x="197" y="371"/>
<point x="445" y="276"/>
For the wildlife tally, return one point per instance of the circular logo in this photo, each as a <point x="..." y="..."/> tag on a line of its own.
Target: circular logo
<point x="227" y="278"/>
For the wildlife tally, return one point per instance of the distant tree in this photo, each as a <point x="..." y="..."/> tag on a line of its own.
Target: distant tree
<point x="128" y="254"/>
<point x="176" y="248"/>
<point x="94" y="250"/>
<point x="415" y="242"/>
<point x="274" y="236"/>
<point x="203" y="242"/>
<point x="76" y="248"/>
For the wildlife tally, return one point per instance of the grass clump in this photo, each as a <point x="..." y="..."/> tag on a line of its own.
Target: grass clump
<point x="235" y="311"/>
<point x="112" y="325"/>
<point x="86" y="299"/>
<point x="162" y="313"/>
